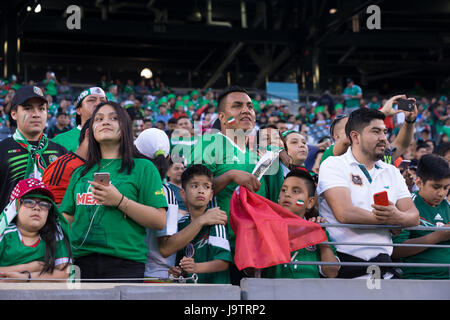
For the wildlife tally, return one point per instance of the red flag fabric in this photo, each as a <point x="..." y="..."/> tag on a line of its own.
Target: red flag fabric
<point x="267" y="233"/>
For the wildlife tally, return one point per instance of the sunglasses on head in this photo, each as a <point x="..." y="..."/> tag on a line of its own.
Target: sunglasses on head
<point x="336" y="120"/>
<point x="31" y="203"/>
<point x="314" y="176"/>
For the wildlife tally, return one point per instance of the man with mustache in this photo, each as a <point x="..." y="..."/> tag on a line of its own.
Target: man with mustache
<point x="346" y="187"/>
<point x="227" y="155"/>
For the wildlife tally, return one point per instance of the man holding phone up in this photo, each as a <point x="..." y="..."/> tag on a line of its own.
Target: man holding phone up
<point x="346" y="189"/>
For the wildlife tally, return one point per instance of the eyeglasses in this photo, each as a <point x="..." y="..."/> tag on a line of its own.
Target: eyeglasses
<point x="31" y="203"/>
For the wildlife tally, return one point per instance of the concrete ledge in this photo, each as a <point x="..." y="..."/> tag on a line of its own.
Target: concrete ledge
<point x="180" y="292"/>
<point x="343" y="289"/>
<point x="57" y="291"/>
<point x="117" y="291"/>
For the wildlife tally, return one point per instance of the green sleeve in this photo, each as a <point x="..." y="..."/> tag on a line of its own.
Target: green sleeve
<point x="327" y="153"/>
<point x="402" y="237"/>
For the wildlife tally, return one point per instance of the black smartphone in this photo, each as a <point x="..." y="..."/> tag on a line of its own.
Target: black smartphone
<point x="405" y="105"/>
<point x="404" y="164"/>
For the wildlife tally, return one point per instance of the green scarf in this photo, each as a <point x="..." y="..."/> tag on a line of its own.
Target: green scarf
<point x="36" y="164"/>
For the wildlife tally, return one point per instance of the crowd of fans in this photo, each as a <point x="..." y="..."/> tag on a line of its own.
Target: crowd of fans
<point x="165" y="207"/>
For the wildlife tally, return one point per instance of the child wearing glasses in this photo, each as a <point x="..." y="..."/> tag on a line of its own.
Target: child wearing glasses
<point x="33" y="242"/>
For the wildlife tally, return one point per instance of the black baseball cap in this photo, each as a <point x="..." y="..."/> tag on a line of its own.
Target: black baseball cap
<point x="349" y="80"/>
<point x="27" y="92"/>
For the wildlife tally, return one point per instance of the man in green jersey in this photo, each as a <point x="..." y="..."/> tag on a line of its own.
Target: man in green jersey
<point x="85" y="105"/>
<point x="433" y="180"/>
<point x="352" y="95"/>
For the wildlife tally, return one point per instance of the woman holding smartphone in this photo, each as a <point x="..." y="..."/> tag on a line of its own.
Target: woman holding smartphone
<point x="108" y="217"/>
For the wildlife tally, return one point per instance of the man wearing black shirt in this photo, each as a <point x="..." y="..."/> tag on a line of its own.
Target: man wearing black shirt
<point x="28" y="152"/>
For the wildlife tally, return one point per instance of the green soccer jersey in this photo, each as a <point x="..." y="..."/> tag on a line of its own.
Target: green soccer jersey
<point x="105" y="229"/>
<point x="14" y="252"/>
<point x="353" y="91"/>
<point x="430" y="217"/>
<point x="327" y="153"/>
<point x="69" y="139"/>
<point x="210" y="244"/>
<point x="220" y="154"/>
<point x="296" y="271"/>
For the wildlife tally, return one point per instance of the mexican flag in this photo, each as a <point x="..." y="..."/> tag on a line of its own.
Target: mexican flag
<point x="267" y="233"/>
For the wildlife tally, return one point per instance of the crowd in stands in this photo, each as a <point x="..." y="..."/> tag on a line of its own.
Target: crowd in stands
<point x="165" y="207"/>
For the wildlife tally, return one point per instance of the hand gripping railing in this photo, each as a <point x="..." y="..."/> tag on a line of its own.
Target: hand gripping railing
<point x="381" y="264"/>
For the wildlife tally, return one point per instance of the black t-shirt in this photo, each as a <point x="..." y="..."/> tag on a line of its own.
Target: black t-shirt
<point x="13" y="163"/>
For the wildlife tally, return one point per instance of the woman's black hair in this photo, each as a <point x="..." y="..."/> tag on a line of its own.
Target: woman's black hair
<point x="161" y="163"/>
<point x="127" y="147"/>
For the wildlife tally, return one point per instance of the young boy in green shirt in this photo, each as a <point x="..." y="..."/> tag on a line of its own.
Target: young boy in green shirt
<point x="212" y="256"/>
<point x="298" y="196"/>
<point x="433" y="180"/>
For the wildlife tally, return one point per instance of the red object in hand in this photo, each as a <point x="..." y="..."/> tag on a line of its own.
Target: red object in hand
<point x="267" y="233"/>
<point x="381" y="198"/>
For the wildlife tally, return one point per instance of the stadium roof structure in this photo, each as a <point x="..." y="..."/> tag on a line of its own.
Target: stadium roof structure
<point x="211" y="43"/>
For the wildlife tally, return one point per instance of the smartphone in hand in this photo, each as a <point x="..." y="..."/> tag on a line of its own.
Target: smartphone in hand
<point x="405" y="105"/>
<point x="381" y="198"/>
<point x="102" y="178"/>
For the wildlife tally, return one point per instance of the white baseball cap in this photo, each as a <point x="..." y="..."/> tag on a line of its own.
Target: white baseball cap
<point x="153" y="142"/>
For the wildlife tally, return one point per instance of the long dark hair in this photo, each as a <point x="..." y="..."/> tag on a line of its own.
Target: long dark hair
<point x="127" y="148"/>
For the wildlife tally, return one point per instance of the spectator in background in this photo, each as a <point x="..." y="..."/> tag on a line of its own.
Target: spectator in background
<point x="142" y="89"/>
<point x="433" y="180"/>
<point x="352" y="95"/>
<point x="62" y="125"/>
<point x="163" y="114"/>
<point x="327" y="100"/>
<point x="341" y="141"/>
<point x="444" y="150"/>
<point x="148" y="123"/>
<point x="113" y="93"/>
<point x="113" y="246"/>
<point x="50" y="84"/>
<point x="282" y="126"/>
<point x="161" y="125"/>
<point x="28" y="152"/>
<point x="138" y="127"/>
<point x="174" y="173"/>
<point x="374" y="103"/>
<point x="135" y="111"/>
<point x="421" y="149"/>
<point x="64" y="89"/>
<point x="346" y="185"/>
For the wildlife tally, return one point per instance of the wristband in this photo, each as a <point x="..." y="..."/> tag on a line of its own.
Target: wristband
<point x="29" y="275"/>
<point x="412" y="121"/>
<point x="120" y="202"/>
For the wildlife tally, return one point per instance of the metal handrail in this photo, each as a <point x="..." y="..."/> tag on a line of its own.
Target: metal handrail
<point x="382" y="226"/>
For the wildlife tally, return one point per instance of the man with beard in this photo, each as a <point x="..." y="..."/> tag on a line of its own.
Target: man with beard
<point x="346" y="187"/>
